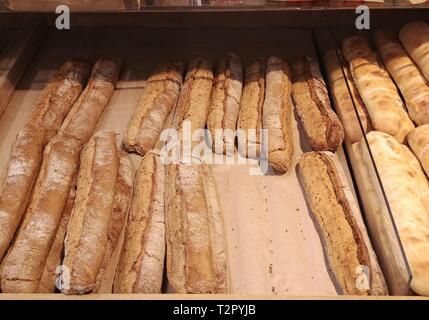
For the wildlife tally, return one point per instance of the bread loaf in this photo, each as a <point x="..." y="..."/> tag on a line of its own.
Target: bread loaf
<point x="225" y="104"/>
<point x="158" y="99"/>
<point x="88" y="229"/>
<point x="196" y="252"/>
<point x="407" y="191"/>
<point x="344" y="236"/>
<point x="322" y="127"/>
<point x="342" y="100"/>
<point x="141" y="265"/>
<point x="26" y="155"/>
<point x="415" y="38"/>
<point x="419" y="143"/>
<point x="413" y="85"/>
<point x="378" y="92"/>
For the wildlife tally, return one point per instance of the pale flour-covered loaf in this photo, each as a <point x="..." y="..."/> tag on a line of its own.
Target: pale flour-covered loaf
<point x="225" y="103"/>
<point x="159" y="97"/>
<point x="141" y="265"/>
<point x="418" y="140"/>
<point x="415" y="38"/>
<point x="196" y="249"/>
<point x="344" y="235"/>
<point x="341" y="97"/>
<point x="322" y="127"/>
<point x="407" y="192"/>
<point x="413" y="85"/>
<point x="378" y="92"/>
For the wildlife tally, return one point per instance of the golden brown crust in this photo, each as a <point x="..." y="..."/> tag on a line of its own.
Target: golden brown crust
<point x="322" y="127"/>
<point x="418" y="140"/>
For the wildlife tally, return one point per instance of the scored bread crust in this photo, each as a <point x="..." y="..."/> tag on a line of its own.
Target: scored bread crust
<point x="141" y="265"/>
<point x="159" y="97"/>
<point x="345" y="239"/>
<point x="413" y="85"/>
<point x="418" y="140"/>
<point x="341" y="98"/>
<point x="225" y="104"/>
<point x="87" y="231"/>
<point x="26" y="154"/>
<point x="322" y="127"/>
<point x="379" y="93"/>
<point x="196" y="250"/>
<point x="415" y="38"/>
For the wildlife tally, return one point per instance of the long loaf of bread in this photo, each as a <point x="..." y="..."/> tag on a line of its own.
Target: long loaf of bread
<point x="418" y="140"/>
<point x="378" y="92"/>
<point x="346" y="242"/>
<point x="196" y="252"/>
<point x="341" y="98"/>
<point x="415" y="38"/>
<point x="87" y="231"/>
<point x="158" y="99"/>
<point x="322" y="127"/>
<point x="225" y="103"/>
<point x="53" y="184"/>
<point x="407" y="191"/>
<point x="141" y="265"/>
<point x="413" y="85"/>
<point x="26" y="155"/>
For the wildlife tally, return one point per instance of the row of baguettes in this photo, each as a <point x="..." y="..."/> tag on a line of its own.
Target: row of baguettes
<point x="221" y="101"/>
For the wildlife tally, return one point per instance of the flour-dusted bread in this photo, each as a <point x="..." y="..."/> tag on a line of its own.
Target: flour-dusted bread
<point x="196" y="252"/>
<point x="141" y="265"/>
<point x="345" y="238"/>
<point x="413" y="85"/>
<point x="322" y="127"/>
<point x="378" y="92"/>
<point x="407" y="192"/>
<point x="159" y="97"/>
<point x="415" y="38"/>
<point x="225" y="104"/>
<point x="335" y="63"/>
<point x="418" y="140"/>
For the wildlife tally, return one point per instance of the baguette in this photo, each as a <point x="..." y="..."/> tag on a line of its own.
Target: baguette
<point x="87" y="232"/>
<point x="378" y="92"/>
<point x="121" y="207"/>
<point x="344" y="236"/>
<point x="419" y="143"/>
<point x="196" y="258"/>
<point x="407" y="191"/>
<point x="322" y="127"/>
<point x="277" y="114"/>
<point x="225" y="104"/>
<point x="59" y="166"/>
<point x="26" y="155"/>
<point x="250" y="116"/>
<point x="141" y="264"/>
<point x="342" y="100"/>
<point x="413" y="85"/>
<point x="415" y="38"/>
<point x="158" y="99"/>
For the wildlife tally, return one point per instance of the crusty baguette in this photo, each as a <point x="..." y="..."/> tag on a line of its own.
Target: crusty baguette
<point x="418" y="140"/>
<point x="415" y="38"/>
<point x="407" y="192"/>
<point x="225" y="103"/>
<point x="87" y="231"/>
<point x="250" y="116"/>
<point x="378" y="92"/>
<point x="158" y="99"/>
<point x="277" y="114"/>
<point x="196" y="251"/>
<point x="121" y="207"/>
<point x="59" y="166"/>
<point x="344" y="235"/>
<point x="322" y="127"/>
<point x="141" y="265"/>
<point x="341" y="98"/>
<point x="26" y="155"/>
<point x="413" y="85"/>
